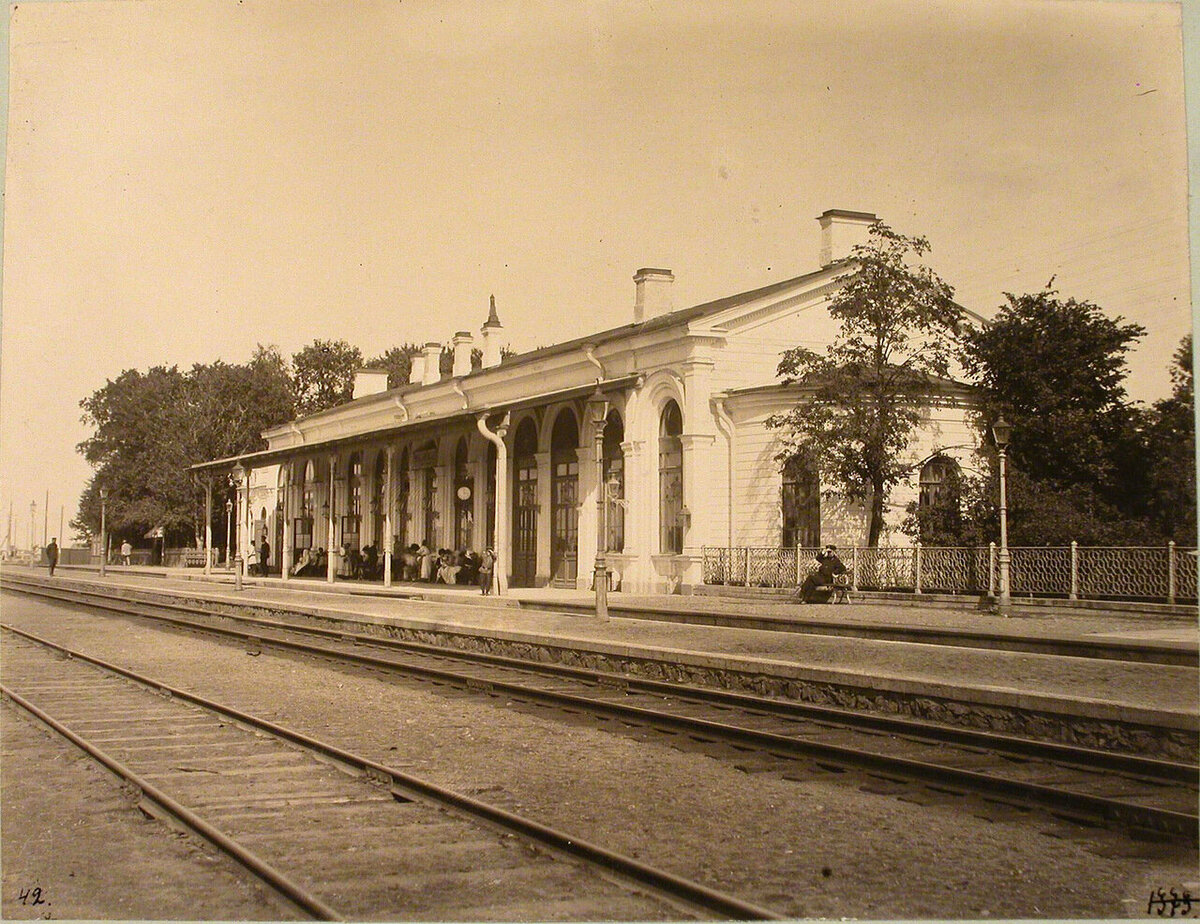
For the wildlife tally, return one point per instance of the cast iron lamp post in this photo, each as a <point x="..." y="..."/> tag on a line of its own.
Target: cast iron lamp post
<point x="1002" y="433"/>
<point x="103" y="532"/>
<point x="598" y="409"/>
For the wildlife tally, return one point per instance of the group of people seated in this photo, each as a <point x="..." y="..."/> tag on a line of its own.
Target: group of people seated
<point x="417" y="563"/>
<point x="310" y="563"/>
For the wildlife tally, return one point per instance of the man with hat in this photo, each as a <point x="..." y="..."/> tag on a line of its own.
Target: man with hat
<point x="829" y="566"/>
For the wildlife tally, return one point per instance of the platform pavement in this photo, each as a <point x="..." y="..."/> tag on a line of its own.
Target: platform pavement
<point x="1100" y="690"/>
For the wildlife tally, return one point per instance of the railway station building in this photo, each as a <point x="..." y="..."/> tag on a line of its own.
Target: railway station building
<point x="653" y="433"/>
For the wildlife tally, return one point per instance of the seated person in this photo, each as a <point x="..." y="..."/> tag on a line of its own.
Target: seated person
<point x="469" y="573"/>
<point x="447" y="567"/>
<point x="304" y="561"/>
<point x="411" y="562"/>
<point x="828" y="567"/>
<point x="321" y="562"/>
<point x="370" y="562"/>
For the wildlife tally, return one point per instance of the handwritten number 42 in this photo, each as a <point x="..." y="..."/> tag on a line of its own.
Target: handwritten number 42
<point x="31" y="896"/>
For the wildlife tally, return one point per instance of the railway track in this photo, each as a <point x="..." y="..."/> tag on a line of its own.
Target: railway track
<point x="1085" y="785"/>
<point x="339" y="836"/>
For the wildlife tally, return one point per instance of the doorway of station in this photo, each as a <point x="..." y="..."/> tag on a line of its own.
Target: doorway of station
<point x="564" y="500"/>
<point x="525" y="506"/>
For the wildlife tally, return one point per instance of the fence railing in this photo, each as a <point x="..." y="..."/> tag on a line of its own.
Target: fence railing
<point x="1166" y="573"/>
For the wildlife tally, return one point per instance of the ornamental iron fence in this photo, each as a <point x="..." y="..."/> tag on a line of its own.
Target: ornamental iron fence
<point x="1166" y="573"/>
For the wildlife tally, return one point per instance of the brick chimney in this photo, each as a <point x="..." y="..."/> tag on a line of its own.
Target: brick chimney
<point x="433" y="368"/>
<point x="842" y="230"/>
<point x="652" y="293"/>
<point x="370" y="382"/>
<point x="493" y="336"/>
<point x="462" y="342"/>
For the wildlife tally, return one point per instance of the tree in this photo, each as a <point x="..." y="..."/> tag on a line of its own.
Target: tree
<point x="151" y="427"/>
<point x="1171" y="431"/>
<point x="398" y="363"/>
<point x="867" y="392"/>
<point x="1055" y="369"/>
<point x="323" y="375"/>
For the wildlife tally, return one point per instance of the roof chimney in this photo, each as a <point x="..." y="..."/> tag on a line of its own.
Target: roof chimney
<point x="493" y="335"/>
<point x="370" y="382"/>
<point x="841" y="231"/>
<point x="433" y="359"/>
<point x="462" y="353"/>
<point x="652" y="293"/>
<point x="416" y="368"/>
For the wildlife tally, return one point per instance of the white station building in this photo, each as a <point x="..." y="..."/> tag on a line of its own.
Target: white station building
<point x="657" y="426"/>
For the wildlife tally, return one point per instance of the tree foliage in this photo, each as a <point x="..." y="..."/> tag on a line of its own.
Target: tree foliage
<point x="1055" y="369"/>
<point x="1171" y="437"/>
<point x="323" y="375"/>
<point x="865" y="395"/>
<point x="151" y="427"/>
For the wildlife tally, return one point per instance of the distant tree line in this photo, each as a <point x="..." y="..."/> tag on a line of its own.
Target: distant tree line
<point x="149" y="428"/>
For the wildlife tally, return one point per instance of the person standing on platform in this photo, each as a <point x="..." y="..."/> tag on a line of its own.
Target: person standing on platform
<point x="486" y="564"/>
<point x="126" y="553"/>
<point x="425" y="558"/>
<point x="264" y="558"/>
<point x="52" y="554"/>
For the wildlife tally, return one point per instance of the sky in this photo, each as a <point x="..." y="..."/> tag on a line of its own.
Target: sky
<point x="186" y="179"/>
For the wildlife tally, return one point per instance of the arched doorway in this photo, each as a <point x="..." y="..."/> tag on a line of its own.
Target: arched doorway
<point x="525" y="506"/>
<point x="670" y="480"/>
<point x="564" y="499"/>
<point x="379" y="500"/>
<point x="614" y="480"/>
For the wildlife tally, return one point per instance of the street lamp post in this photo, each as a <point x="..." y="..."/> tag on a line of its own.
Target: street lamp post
<point x="103" y="534"/>
<point x="598" y="409"/>
<point x="228" y="532"/>
<point x="1002" y="433"/>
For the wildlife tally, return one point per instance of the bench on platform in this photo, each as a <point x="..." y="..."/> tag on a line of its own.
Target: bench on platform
<point x="836" y="592"/>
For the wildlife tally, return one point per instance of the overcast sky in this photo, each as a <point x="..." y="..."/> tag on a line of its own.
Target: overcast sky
<point x="188" y="178"/>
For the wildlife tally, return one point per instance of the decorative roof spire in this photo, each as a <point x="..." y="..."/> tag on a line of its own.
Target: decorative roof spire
<point x="493" y="318"/>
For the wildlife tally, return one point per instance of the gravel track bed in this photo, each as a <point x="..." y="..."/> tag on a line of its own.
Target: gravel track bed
<point x="818" y="846"/>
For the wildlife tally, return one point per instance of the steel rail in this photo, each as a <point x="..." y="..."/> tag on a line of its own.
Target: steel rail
<point x="294" y="892"/>
<point x="1091" y="758"/>
<point x="407" y="786"/>
<point x="1081" y="806"/>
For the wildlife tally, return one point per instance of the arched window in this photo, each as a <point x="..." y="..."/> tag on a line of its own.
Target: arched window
<point x="525" y="505"/>
<point x="670" y="480"/>
<point x="352" y="519"/>
<point x="939" y="517"/>
<point x="614" y="479"/>
<point x="939" y="478"/>
<point x="464" y="498"/>
<point x="800" y="503"/>
<point x="302" y="526"/>
<point x="400" y="503"/>
<point x="379" y="499"/>
<point x="564" y="498"/>
<point x="426" y="458"/>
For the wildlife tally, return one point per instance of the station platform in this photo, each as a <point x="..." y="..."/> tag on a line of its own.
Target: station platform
<point x="1085" y="699"/>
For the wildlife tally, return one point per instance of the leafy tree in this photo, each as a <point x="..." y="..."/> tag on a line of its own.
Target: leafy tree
<point x="1055" y="369"/>
<point x="138" y="454"/>
<point x="868" y="390"/>
<point x="1171" y="432"/>
<point x="323" y="375"/>
<point x="398" y="363"/>
<point x="150" y="428"/>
